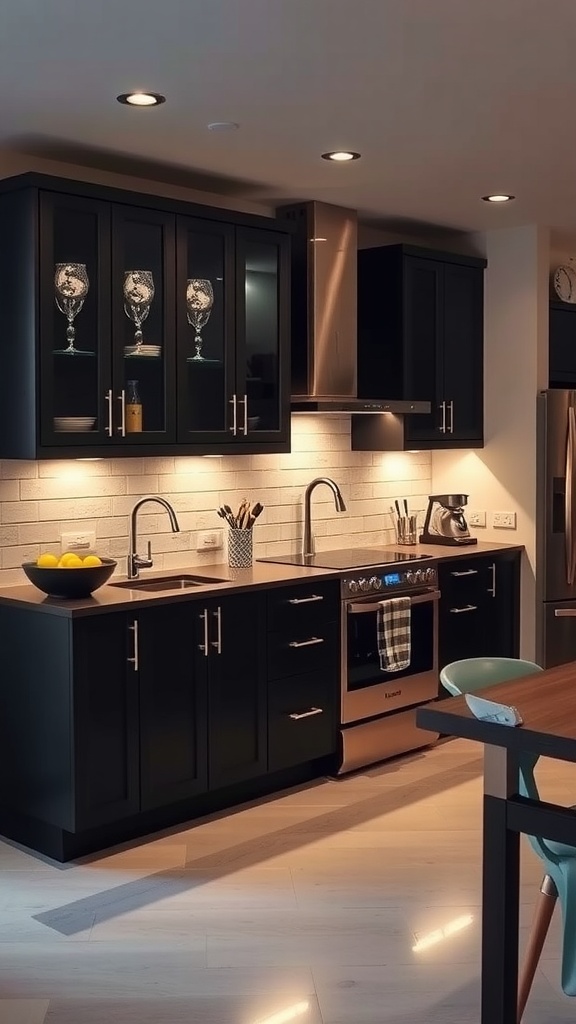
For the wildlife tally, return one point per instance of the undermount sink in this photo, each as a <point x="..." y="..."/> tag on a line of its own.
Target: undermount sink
<point x="183" y="582"/>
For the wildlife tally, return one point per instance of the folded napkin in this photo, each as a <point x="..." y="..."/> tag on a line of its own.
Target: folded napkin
<point x="393" y="627"/>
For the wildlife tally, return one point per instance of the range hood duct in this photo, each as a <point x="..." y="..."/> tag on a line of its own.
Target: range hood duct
<point x="324" y="314"/>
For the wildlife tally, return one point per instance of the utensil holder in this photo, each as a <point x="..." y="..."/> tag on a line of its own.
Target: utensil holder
<point x="240" y="554"/>
<point x="407" y="530"/>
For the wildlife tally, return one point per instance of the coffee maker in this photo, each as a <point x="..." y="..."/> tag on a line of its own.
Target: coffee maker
<point x="445" y="522"/>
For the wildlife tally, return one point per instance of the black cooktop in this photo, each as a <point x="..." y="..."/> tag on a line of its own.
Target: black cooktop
<point x="352" y="558"/>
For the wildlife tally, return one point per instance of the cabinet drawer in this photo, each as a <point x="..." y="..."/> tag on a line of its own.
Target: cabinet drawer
<point x="465" y="581"/>
<point x="309" y="647"/>
<point x="297" y="607"/>
<point x="302" y="721"/>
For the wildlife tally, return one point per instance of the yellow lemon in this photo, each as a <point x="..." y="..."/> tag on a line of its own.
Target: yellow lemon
<point x="47" y="561"/>
<point x="69" y="559"/>
<point x="91" y="560"/>
<point x="73" y="562"/>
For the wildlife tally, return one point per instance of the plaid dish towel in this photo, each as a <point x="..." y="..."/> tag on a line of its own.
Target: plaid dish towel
<point x="393" y="626"/>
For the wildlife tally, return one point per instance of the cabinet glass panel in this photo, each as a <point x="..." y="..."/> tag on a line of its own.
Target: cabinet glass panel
<point x="203" y="282"/>
<point x="140" y="317"/>
<point x="260" y="272"/>
<point x="71" y="304"/>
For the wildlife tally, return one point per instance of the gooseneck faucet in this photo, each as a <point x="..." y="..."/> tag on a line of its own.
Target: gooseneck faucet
<point x="136" y="561"/>
<point x="307" y="547"/>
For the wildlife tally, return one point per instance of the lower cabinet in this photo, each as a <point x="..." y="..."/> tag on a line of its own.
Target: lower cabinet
<point x="173" y="703"/>
<point x="303" y="645"/>
<point x="111" y="720"/>
<point x="479" y="607"/>
<point x="232" y="629"/>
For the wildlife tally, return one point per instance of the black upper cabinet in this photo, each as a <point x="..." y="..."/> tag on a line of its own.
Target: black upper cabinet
<point x="232" y="350"/>
<point x="106" y="291"/>
<point x="562" y="325"/>
<point x="420" y="336"/>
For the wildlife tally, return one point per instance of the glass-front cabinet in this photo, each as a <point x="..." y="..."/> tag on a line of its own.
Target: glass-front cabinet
<point x="106" y="328"/>
<point x="140" y="329"/>
<point x="232" y="294"/>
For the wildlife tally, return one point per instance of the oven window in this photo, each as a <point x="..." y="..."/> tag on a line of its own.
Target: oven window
<point x="363" y="659"/>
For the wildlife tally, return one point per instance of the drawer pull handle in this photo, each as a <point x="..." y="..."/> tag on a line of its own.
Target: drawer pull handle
<point x="465" y="572"/>
<point x="305" y="600"/>
<point x="297" y="715"/>
<point x="307" y="643"/>
<point x="468" y="608"/>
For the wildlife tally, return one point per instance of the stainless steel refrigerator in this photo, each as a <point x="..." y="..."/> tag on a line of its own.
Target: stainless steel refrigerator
<point x="556" y="528"/>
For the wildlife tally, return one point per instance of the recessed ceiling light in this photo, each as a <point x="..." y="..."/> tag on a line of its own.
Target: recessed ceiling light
<point x="499" y="197"/>
<point x="141" y="99"/>
<point x="341" y="156"/>
<point x="223" y="126"/>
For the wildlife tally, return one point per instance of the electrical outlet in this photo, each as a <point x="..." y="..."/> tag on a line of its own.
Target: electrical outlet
<point x="78" y="540"/>
<point x="209" y="540"/>
<point x="476" y="517"/>
<point x="504" y="520"/>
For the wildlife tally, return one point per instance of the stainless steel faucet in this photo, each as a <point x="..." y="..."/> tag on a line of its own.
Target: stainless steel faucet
<point x="307" y="547"/>
<point x="136" y="561"/>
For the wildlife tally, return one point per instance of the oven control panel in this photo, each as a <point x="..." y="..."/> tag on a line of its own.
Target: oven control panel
<point x="388" y="579"/>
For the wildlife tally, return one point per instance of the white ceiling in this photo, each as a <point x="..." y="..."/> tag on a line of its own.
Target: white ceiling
<point x="447" y="100"/>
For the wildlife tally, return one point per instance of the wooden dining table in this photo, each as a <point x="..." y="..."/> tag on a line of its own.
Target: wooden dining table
<point x="547" y="703"/>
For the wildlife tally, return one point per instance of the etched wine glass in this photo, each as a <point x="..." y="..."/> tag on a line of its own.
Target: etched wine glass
<point x="138" y="295"/>
<point x="199" y="302"/>
<point x="71" y="286"/>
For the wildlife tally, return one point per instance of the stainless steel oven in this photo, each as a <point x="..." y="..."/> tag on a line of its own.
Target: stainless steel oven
<point x="378" y="707"/>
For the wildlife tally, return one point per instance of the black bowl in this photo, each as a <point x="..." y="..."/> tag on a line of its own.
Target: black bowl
<point x="80" y="582"/>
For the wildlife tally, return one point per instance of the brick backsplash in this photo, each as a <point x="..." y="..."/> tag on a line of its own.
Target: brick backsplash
<point x="38" y="500"/>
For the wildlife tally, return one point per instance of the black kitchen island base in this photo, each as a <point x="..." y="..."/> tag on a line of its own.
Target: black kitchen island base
<point x="60" y="845"/>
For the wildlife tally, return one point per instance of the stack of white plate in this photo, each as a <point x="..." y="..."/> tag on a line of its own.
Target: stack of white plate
<point x="143" y="350"/>
<point x="70" y="423"/>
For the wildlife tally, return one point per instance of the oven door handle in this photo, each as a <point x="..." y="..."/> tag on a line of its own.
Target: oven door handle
<point x="362" y="609"/>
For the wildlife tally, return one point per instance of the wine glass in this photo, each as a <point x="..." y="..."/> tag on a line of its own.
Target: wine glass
<point x="71" y="286"/>
<point x="199" y="302"/>
<point x="138" y="295"/>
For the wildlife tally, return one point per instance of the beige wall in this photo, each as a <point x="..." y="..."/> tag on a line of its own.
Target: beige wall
<point x="502" y="476"/>
<point x="39" y="499"/>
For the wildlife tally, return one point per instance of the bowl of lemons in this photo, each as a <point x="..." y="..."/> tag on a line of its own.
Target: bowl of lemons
<point x="69" y="575"/>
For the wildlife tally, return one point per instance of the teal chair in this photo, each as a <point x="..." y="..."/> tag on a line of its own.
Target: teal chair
<point x="559" y="860"/>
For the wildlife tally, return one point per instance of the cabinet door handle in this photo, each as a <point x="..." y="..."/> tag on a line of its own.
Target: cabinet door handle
<point x="468" y="608"/>
<point x="135" y="661"/>
<point x="244" y="401"/>
<point x="305" y="600"/>
<point x="451" y="424"/>
<point x="565" y="613"/>
<point x="217" y="643"/>
<point x="307" y="643"/>
<point x="109" y="399"/>
<point x="297" y="715"/>
<point x="122" y="400"/>
<point x="204" y="647"/>
<point x="492" y="589"/>
<point x="442" y="409"/>
<point x="464" y="572"/>
<point x="234" y="403"/>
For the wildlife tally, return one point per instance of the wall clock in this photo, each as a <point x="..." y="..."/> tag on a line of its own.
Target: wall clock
<point x="565" y="282"/>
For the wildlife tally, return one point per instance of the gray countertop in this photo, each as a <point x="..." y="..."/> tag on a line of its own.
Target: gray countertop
<point x="262" y="574"/>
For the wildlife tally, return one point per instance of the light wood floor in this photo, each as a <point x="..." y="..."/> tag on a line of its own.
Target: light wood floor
<point x="351" y="901"/>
